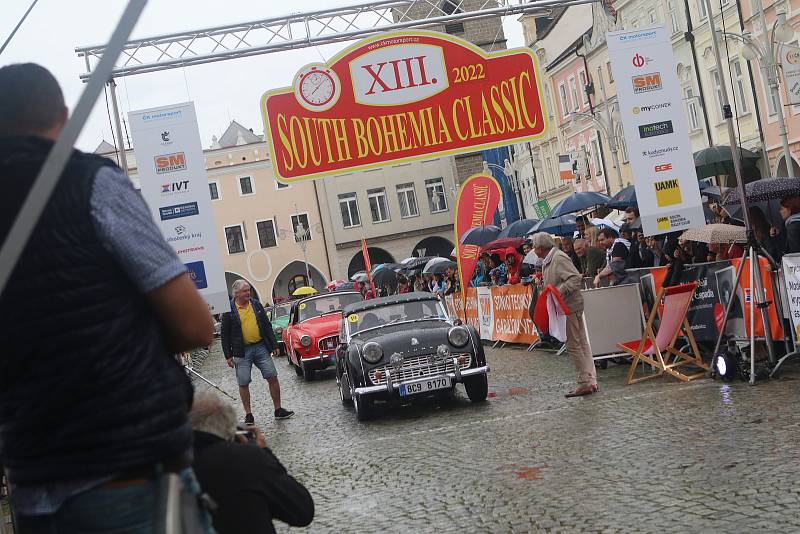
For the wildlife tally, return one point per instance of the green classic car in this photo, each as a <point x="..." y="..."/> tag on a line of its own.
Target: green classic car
<point x="279" y="317"/>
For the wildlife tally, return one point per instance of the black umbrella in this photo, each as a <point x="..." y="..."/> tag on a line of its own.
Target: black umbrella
<point x="518" y="228"/>
<point x="414" y="266"/>
<point x="762" y="190"/>
<point x="564" y="225"/>
<point x="625" y="197"/>
<point x="480" y="235"/>
<point x="441" y="267"/>
<point x="579" y="202"/>
<point x="718" y="161"/>
<point x="384" y="276"/>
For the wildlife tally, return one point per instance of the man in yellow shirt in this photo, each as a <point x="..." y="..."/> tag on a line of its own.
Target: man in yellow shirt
<point x="247" y="340"/>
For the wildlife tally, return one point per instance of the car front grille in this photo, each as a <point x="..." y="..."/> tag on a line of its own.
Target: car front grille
<point x="416" y="367"/>
<point x="328" y="343"/>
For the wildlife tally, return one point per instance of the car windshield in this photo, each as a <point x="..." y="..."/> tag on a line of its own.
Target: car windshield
<point x="395" y="313"/>
<point x="329" y="303"/>
<point x="280" y="311"/>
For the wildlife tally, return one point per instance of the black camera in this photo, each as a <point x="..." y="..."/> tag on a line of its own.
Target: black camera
<point x="249" y="435"/>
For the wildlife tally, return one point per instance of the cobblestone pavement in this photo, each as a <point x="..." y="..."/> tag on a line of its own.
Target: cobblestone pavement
<point x="652" y="457"/>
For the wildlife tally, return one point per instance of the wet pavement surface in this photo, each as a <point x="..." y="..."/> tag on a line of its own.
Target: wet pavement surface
<point x="657" y="456"/>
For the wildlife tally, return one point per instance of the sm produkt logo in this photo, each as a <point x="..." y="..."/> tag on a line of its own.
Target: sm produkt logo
<point x="668" y="192"/>
<point x="655" y="129"/>
<point x="175" y="187"/>
<point x="178" y="210"/>
<point x="644" y="83"/>
<point x="170" y="162"/>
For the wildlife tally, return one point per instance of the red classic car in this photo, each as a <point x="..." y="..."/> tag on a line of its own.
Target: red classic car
<point x="312" y="335"/>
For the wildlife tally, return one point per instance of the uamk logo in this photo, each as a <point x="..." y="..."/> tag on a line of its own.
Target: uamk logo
<point x="644" y="83"/>
<point x="668" y="193"/>
<point x="170" y="162"/>
<point x="654" y="129"/>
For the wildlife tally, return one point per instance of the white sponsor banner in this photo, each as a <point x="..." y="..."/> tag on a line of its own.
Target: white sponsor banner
<point x="485" y="312"/>
<point x="656" y="131"/>
<point x="174" y="183"/>
<point x="791" y="275"/>
<point x="790" y="61"/>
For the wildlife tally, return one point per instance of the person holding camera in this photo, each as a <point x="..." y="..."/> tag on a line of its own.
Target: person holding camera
<point x="247" y="484"/>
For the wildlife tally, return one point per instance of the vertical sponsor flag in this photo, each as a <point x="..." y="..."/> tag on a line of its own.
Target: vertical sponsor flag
<point x="476" y="205"/>
<point x="656" y="131"/>
<point x="790" y="61"/>
<point x="367" y="265"/>
<point x="565" y="167"/>
<point x="174" y="184"/>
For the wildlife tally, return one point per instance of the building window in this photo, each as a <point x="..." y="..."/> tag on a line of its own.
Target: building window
<point x="548" y="100"/>
<point x="598" y="162"/>
<point x="300" y="227"/>
<point x="437" y="199"/>
<point x="245" y="186"/>
<point x="266" y="233"/>
<point x="741" y="94"/>
<point x="623" y="148"/>
<point x="279" y="185"/>
<point x="407" y="198"/>
<point x="701" y="4"/>
<point x="653" y="16"/>
<point x="378" y="206"/>
<point x="348" y="204"/>
<point x="673" y="16"/>
<point x="573" y="90"/>
<point x="213" y="190"/>
<point x="548" y="173"/>
<point x="773" y="101"/>
<point x="562" y="94"/>
<point x="451" y="7"/>
<point x="234" y="238"/>
<point x="610" y="72"/>
<point x="691" y="109"/>
<point x="584" y="92"/>
<point x="717" y="94"/>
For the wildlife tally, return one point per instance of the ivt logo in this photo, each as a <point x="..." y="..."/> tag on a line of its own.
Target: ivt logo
<point x="398" y="74"/>
<point x="175" y="187"/>
<point x="170" y="163"/>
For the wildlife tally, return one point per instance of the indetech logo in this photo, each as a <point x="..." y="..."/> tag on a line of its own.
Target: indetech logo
<point x="170" y="162"/>
<point x="655" y="129"/>
<point x="644" y="83"/>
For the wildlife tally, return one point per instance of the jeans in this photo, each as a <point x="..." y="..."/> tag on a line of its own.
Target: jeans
<point x="128" y="509"/>
<point x="257" y="355"/>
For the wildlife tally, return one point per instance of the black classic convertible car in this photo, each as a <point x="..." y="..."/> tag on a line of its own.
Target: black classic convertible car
<point x="404" y="346"/>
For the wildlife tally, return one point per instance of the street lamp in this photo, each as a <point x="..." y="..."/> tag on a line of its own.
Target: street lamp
<point x="768" y="53"/>
<point x="607" y="126"/>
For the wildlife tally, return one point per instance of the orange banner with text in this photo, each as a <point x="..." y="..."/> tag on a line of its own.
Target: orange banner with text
<point x="499" y="313"/>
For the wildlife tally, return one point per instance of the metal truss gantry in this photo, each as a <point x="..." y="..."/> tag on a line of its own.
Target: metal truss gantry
<point x="300" y="30"/>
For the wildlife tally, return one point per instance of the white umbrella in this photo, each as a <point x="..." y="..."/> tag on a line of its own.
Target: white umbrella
<point x="412" y="258"/>
<point x="359" y="275"/>
<point x="431" y="263"/>
<point x="453" y="254"/>
<point x="531" y="258"/>
<point x="605" y="223"/>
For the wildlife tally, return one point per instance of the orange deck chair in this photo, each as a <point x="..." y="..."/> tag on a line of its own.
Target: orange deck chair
<point x="656" y="348"/>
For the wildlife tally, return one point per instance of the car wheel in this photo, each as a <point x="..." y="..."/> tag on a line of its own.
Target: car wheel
<point x="477" y="387"/>
<point x="344" y="389"/>
<point x="363" y="405"/>
<point x="305" y="372"/>
<point x="297" y="368"/>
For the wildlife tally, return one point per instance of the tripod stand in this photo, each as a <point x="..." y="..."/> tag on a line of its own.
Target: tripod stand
<point x="758" y="298"/>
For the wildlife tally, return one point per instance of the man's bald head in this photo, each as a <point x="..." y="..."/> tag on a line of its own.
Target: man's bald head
<point x="32" y="102"/>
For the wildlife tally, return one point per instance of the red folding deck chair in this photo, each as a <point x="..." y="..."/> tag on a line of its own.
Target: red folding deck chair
<point x="653" y="347"/>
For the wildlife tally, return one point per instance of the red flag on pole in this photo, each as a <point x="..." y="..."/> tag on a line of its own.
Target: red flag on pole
<point x="367" y="264"/>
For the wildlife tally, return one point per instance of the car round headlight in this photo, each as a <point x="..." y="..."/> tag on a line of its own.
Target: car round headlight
<point x="279" y="330"/>
<point x="372" y="352"/>
<point x="458" y="336"/>
<point x="305" y="340"/>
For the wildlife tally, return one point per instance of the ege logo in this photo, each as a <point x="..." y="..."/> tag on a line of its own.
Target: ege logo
<point x="664" y="167"/>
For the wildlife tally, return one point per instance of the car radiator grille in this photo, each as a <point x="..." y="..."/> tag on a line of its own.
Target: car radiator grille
<point x="328" y="343"/>
<point x="416" y="367"/>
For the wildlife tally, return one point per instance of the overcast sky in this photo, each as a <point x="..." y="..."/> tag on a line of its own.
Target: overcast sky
<point x="222" y="91"/>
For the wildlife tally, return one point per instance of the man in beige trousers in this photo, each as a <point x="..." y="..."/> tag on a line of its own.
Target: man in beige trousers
<point x="559" y="271"/>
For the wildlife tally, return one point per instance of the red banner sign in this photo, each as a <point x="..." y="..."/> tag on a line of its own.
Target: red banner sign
<point x="478" y="198"/>
<point x="399" y="97"/>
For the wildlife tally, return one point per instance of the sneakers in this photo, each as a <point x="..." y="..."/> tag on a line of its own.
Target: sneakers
<point x="283" y="413"/>
<point x="249" y="420"/>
